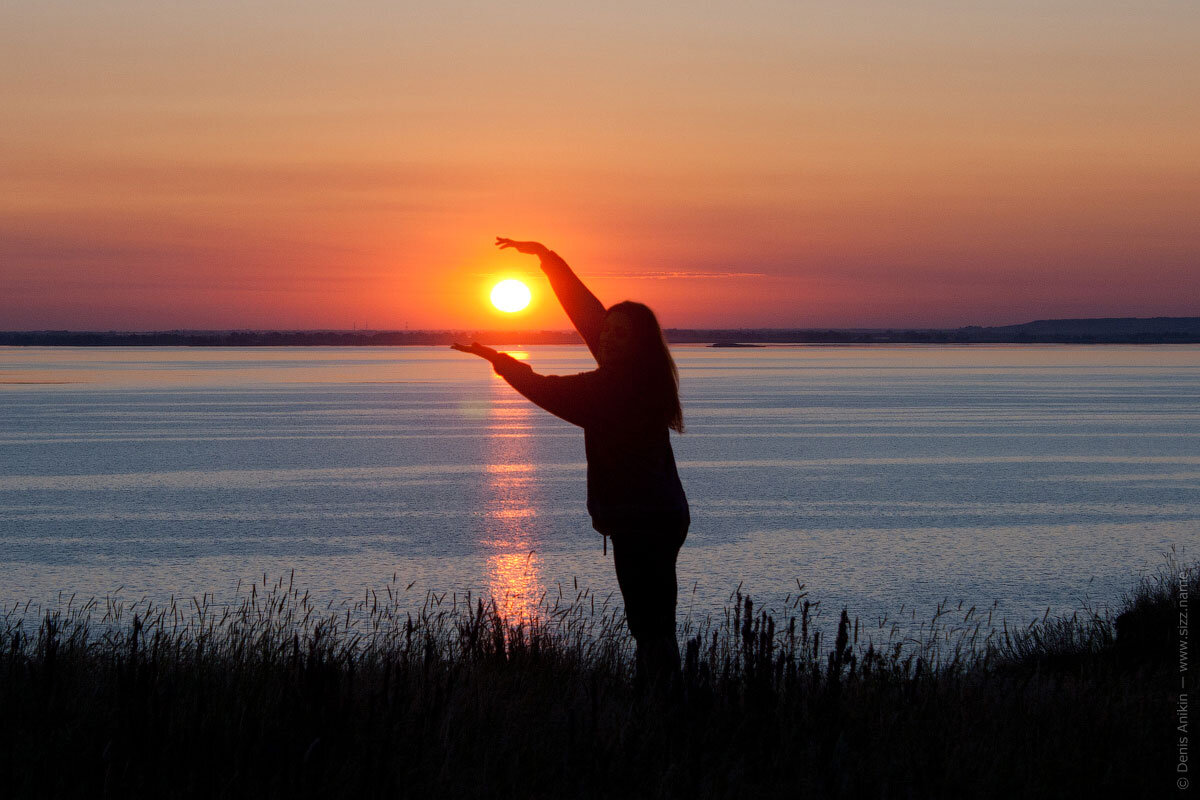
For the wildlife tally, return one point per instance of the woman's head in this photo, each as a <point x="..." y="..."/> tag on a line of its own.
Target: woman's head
<point x="631" y="340"/>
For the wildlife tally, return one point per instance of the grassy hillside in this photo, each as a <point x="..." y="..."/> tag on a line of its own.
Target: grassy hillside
<point x="276" y="697"/>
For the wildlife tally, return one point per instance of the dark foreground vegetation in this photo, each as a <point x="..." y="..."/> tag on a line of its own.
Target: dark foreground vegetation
<point x="278" y="697"/>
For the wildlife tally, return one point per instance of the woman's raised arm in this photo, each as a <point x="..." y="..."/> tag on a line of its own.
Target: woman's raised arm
<point x="586" y="312"/>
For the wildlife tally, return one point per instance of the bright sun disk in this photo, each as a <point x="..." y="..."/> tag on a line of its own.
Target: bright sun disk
<point x="510" y="295"/>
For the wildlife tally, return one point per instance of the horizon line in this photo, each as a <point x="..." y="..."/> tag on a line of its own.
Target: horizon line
<point x="757" y="328"/>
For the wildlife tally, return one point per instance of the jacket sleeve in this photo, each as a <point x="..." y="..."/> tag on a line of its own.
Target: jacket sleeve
<point x="575" y="398"/>
<point x="584" y="309"/>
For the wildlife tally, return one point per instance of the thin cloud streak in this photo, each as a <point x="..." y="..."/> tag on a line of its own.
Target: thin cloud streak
<point x="655" y="276"/>
<point x="660" y="276"/>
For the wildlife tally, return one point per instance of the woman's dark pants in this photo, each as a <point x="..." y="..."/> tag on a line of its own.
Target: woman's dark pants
<point x="645" y="562"/>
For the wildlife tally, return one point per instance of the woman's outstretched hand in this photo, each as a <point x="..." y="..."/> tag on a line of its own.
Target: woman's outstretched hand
<point x="529" y="248"/>
<point x="476" y="349"/>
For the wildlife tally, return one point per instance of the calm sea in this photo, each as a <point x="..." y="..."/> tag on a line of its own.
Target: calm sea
<point x="879" y="477"/>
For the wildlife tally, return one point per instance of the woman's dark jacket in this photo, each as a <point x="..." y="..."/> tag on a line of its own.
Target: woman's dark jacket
<point x="631" y="476"/>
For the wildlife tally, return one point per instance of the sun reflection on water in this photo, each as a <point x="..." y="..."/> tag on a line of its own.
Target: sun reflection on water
<point x="513" y="564"/>
<point x="515" y="585"/>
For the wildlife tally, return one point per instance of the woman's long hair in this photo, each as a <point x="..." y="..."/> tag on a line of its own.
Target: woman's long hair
<point x="650" y="361"/>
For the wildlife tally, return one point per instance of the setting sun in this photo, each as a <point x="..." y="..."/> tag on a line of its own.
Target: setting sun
<point x="510" y="295"/>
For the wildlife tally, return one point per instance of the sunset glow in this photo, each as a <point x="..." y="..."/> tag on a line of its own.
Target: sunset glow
<point x="266" y="165"/>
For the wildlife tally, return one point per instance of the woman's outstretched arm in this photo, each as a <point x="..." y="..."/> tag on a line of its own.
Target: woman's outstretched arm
<point x="575" y="398"/>
<point x="586" y="312"/>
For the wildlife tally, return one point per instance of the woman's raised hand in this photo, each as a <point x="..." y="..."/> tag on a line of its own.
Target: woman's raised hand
<point x="529" y="248"/>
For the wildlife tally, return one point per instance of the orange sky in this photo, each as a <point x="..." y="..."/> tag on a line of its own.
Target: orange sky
<point x="305" y="165"/>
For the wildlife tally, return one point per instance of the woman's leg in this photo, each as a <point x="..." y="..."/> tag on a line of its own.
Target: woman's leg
<point x="645" y="564"/>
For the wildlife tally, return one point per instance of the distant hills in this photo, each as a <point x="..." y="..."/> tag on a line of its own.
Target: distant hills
<point x="1113" y="330"/>
<point x="1109" y="330"/>
<point x="1113" y="327"/>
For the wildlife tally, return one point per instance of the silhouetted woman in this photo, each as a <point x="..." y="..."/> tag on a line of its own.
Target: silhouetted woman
<point x="626" y="407"/>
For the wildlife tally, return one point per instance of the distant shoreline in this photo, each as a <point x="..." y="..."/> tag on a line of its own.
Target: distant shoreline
<point x="1116" y="330"/>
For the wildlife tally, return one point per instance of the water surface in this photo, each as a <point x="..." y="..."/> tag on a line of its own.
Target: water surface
<point x="880" y="477"/>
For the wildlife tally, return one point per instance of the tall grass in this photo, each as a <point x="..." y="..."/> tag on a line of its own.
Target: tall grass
<point x="277" y="695"/>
